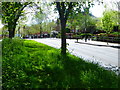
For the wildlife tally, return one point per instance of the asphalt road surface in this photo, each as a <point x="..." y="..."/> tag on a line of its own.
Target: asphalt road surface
<point x="101" y="54"/>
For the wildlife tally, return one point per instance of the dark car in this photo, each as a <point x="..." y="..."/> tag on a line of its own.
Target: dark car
<point x="25" y="36"/>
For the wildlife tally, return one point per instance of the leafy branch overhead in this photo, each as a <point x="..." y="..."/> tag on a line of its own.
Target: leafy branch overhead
<point x="11" y="12"/>
<point x="62" y="9"/>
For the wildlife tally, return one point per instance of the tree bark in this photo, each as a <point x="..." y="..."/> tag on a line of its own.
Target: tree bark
<point x="12" y="23"/>
<point x="63" y="36"/>
<point x="11" y="33"/>
<point x="63" y="13"/>
<point x="11" y="29"/>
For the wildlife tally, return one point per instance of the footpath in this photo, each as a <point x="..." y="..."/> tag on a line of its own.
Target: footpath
<point x="99" y="43"/>
<point x="116" y="69"/>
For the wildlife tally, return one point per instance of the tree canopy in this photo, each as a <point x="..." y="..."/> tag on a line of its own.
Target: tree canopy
<point x="11" y="12"/>
<point x="110" y="19"/>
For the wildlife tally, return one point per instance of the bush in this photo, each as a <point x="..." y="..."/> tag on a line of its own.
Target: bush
<point x="59" y="35"/>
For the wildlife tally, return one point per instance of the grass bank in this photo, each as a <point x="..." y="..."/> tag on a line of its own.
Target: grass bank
<point x="29" y="64"/>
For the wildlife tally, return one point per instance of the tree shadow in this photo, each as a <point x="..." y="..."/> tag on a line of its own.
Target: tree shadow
<point x="76" y="73"/>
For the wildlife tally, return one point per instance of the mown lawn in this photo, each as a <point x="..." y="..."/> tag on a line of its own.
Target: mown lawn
<point x="29" y="64"/>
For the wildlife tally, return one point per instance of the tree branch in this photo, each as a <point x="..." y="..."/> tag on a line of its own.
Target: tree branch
<point x="18" y="14"/>
<point x="63" y="8"/>
<point x="59" y="8"/>
<point x="70" y="6"/>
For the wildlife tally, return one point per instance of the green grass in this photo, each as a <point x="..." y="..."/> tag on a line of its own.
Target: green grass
<point x="29" y="64"/>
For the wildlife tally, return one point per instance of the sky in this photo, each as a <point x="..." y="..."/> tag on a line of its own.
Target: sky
<point x="1" y="24"/>
<point x="96" y="10"/>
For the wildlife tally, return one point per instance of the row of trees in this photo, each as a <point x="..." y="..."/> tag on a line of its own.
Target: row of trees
<point x="39" y="28"/>
<point x="69" y="12"/>
<point x="11" y="12"/>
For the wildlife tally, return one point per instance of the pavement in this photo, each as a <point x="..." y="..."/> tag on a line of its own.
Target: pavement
<point x="99" y="43"/>
<point x="96" y="43"/>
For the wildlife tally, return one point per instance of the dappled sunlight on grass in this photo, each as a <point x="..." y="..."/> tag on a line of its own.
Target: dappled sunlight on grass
<point x="30" y="64"/>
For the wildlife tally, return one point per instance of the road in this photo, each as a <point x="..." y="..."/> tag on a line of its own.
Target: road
<point x="101" y="54"/>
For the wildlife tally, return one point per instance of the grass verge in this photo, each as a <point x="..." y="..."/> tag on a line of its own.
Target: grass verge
<point x="29" y="64"/>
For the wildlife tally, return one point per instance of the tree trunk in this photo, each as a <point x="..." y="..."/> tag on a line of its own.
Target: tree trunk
<point x="63" y="37"/>
<point x="11" y="33"/>
<point x="63" y="13"/>
<point x="11" y="29"/>
<point x="40" y="30"/>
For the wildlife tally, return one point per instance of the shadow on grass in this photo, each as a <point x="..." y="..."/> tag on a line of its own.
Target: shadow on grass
<point x="36" y="65"/>
<point x="76" y="73"/>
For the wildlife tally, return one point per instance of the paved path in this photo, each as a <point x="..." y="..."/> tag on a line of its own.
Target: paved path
<point x="87" y="51"/>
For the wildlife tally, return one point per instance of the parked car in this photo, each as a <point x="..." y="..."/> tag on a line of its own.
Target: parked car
<point x="25" y="36"/>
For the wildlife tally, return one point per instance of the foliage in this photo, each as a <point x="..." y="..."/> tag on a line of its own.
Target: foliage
<point x="49" y="26"/>
<point x="39" y="17"/>
<point x="99" y="25"/>
<point x="112" y="34"/>
<point x="110" y="19"/>
<point x="28" y="30"/>
<point x="67" y="30"/>
<point x="4" y="31"/>
<point x="11" y="12"/>
<point x="82" y="35"/>
<point x="29" y="64"/>
<point x="88" y="22"/>
<point x="0" y="31"/>
<point x="80" y="18"/>
<point x="39" y="28"/>
<point x="116" y="33"/>
<point x="59" y="35"/>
